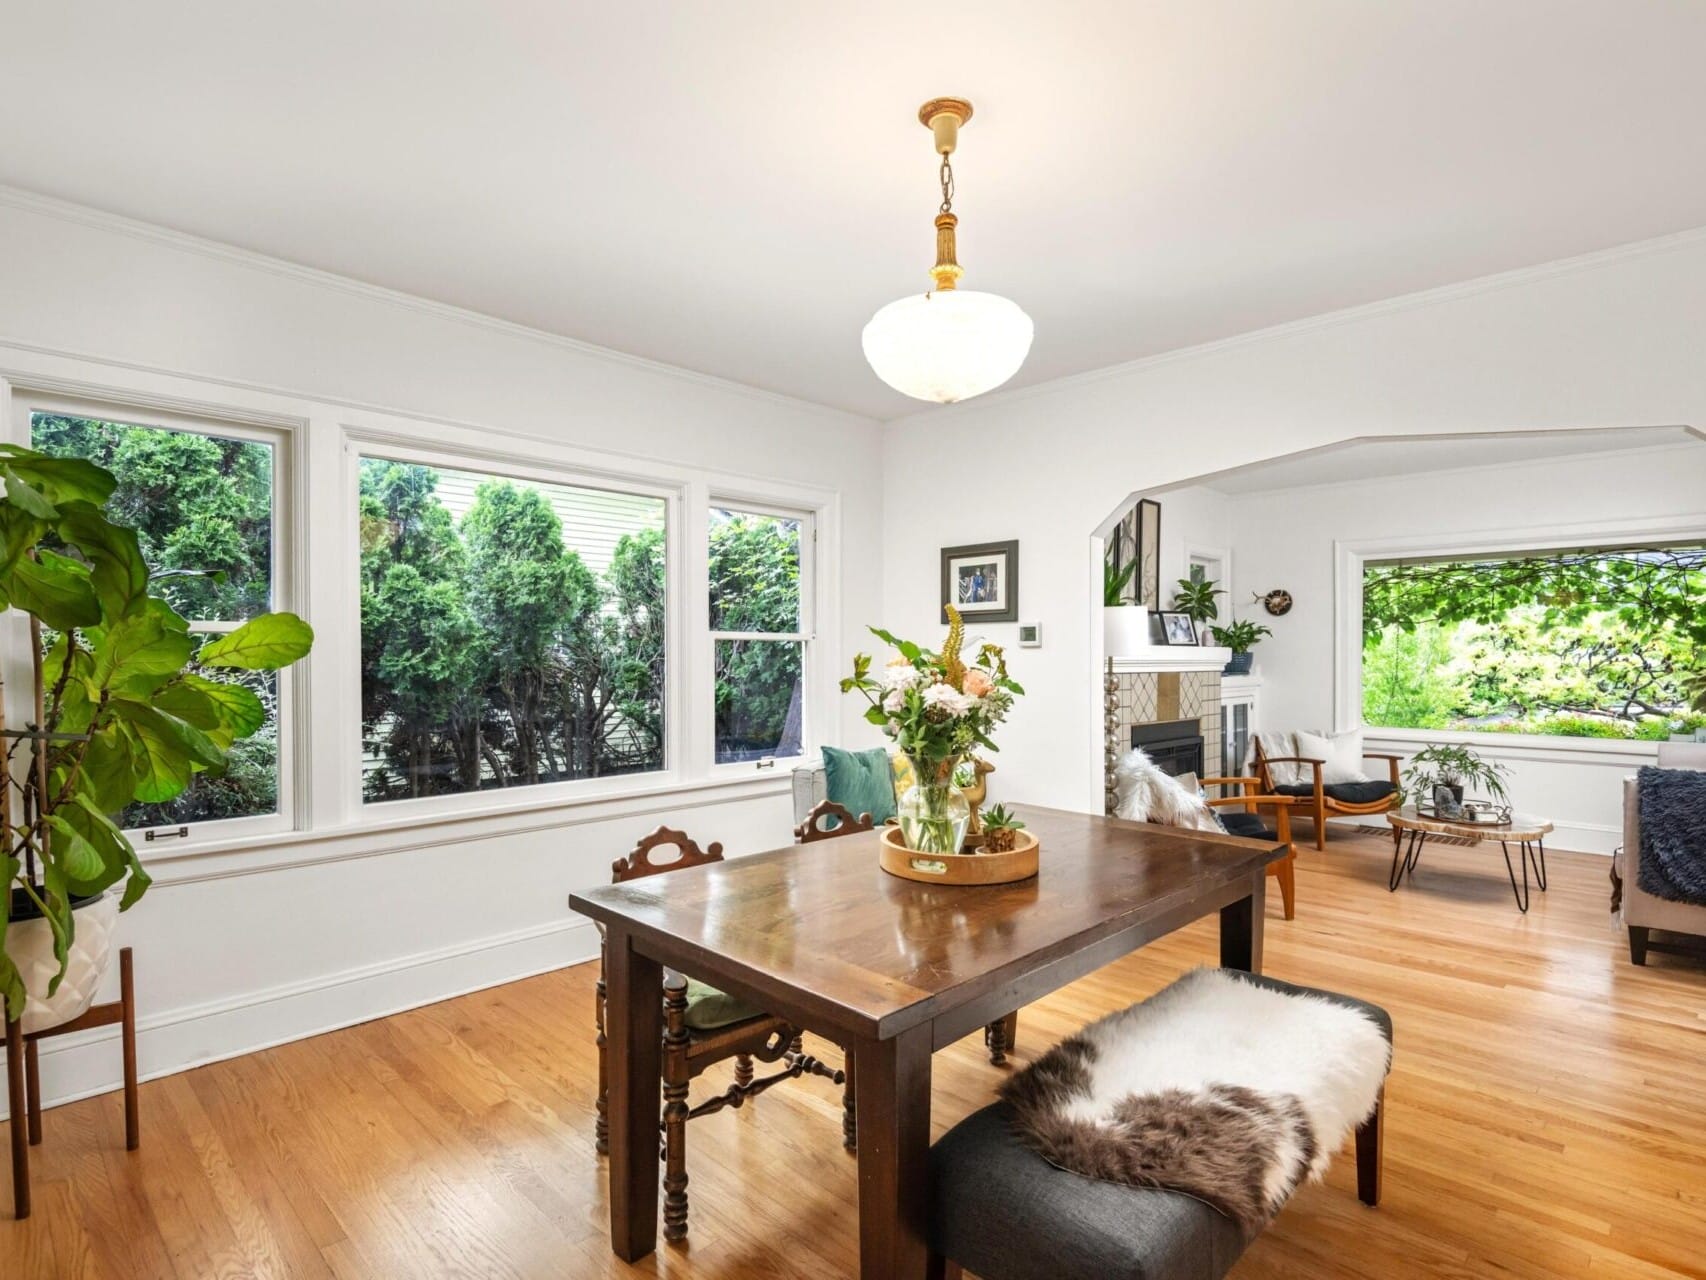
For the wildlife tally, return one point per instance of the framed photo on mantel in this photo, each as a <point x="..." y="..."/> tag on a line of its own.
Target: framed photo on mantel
<point x="982" y="581"/>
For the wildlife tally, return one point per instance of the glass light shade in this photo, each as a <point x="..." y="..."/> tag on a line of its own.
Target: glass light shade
<point x="947" y="345"/>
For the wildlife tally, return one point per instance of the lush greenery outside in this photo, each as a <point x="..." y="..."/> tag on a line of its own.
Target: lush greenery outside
<point x="755" y="591"/>
<point x="500" y="648"/>
<point x="1597" y="643"/>
<point x="202" y="509"/>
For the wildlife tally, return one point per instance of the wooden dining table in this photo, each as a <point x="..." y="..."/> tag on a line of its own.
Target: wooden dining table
<point x="894" y="970"/>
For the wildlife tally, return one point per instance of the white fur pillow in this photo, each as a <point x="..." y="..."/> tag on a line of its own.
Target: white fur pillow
<point x="1340" y="752"/>
<point x="1143" y="793"/>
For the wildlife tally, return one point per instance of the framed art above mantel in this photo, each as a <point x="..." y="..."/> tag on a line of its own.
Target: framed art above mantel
<point x="982" y="581"/>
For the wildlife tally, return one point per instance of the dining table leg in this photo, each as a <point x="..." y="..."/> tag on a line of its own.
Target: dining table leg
<point x="1241" y="928"/>
<point x="633" y="1020"/>
<point x="893" y="1078"/>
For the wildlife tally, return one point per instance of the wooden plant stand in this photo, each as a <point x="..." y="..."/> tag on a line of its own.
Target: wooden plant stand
<point x="23" y="1077"/>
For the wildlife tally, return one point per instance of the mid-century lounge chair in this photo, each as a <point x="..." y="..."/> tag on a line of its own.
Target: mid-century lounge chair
<point x="1322" y="799"/>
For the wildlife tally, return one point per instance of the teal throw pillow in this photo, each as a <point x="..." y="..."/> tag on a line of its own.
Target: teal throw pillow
<point x="860" y="781"/>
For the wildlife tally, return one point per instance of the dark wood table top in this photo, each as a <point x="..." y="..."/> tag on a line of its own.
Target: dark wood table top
<point x="871" y="954"/>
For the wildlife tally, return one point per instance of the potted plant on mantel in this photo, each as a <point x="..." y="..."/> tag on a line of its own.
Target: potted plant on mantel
<point x="1450" y="765"/>
<point x="1240" y="637"/>
<point x="125" y="707"/>
<point x="1196" y="597"/>
<point x="1125" y="623"/>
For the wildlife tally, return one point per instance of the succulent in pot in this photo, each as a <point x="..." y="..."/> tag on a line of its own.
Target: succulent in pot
<point x="126" y="705"/>
<point x="1000" y="830"/>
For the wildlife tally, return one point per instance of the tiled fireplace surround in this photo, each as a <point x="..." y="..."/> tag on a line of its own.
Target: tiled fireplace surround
<point x="1148" y="697"/>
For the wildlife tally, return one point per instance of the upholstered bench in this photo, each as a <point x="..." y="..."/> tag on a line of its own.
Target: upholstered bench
<point x="1002" y="1211"/>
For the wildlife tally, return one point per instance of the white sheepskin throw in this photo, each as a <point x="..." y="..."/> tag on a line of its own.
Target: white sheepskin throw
<point x="1216" y="1087"/>
<point x="1143" y="793"/>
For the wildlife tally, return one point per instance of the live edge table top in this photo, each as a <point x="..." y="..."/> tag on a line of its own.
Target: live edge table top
<point x="869" y="954"/>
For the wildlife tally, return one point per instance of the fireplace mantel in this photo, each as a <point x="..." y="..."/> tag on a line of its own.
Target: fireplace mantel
<point x="1175" y="657"/>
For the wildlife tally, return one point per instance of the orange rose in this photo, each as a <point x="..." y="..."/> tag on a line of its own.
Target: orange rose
<point x="976" y="684"/>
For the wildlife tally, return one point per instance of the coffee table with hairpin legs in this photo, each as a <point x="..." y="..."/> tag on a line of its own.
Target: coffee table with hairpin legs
<point x="1411" y="829"/>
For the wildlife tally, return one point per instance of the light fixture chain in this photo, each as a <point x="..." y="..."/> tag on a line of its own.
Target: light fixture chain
<point x="947" y="176"/>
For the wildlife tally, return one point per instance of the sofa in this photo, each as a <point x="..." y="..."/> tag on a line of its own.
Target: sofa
<point x="1640" y="912"/>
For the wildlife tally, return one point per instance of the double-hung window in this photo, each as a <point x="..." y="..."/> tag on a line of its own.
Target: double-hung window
<point x="513" y="629"/>
<point x="206" y="499"/>
<point x="761" y="596"/>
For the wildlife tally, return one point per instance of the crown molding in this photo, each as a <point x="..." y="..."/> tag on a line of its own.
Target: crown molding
<point x="1475" y="287"/>
<point x="102" y="220"/>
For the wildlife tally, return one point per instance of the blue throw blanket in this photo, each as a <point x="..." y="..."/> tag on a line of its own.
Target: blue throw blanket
<point x="1673" y="834"/>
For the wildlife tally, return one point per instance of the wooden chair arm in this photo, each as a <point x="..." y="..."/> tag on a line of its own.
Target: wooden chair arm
<point x="1294" y="760"/>
<point x="1392" y="763"/>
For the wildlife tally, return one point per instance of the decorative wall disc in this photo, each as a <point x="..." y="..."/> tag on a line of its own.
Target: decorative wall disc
<point x="1277" y="602"/>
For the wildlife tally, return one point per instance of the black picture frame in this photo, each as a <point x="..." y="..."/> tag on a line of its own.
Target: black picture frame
<point x="1174" y="618"/>
<point x="1137" y="537"/>
<point x="989" y="601"/>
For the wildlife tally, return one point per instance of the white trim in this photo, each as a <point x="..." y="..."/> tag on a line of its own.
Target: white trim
<point x="1495" y="283"/>
<point x="84" y="215"/>
<point x="86" y="1063"/>
<point x="1349" y="556"/>
<point x="1176" y="657"/>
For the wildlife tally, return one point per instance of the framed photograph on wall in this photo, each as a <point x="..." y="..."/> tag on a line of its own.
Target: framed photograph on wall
<point x="1176" y="628"/>
<point x="982" y="581"/>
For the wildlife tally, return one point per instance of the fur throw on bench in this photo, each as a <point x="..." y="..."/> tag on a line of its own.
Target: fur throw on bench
<point x="1215" y="1087"/>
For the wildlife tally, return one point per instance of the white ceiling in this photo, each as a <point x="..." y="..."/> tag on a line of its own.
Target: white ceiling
<point x="734" y="187"/>
<point x="1383" y="459"/>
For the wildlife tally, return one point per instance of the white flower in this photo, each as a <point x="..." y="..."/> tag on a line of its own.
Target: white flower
<point x="948" y="698"/>
<point x="900" y="674"/>
<point x="895" y="702"/>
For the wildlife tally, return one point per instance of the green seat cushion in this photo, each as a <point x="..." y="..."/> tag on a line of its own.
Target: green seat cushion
<point x="709" y="1009"/>
<point x="860" y="781"/>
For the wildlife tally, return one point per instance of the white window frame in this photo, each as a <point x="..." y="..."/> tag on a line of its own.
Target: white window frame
<point x="806" y="636"/>
<point x="1349" y="558"/>
<point x="505" y="466"/>
<point x="284" y="439"/>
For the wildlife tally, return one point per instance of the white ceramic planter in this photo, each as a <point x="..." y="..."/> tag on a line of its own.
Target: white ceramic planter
<point x="1125" y="630"/>
<point x="30" y="944"/>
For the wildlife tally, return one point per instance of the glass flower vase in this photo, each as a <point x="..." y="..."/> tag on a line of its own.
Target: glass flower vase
<point x="933" y="814"/>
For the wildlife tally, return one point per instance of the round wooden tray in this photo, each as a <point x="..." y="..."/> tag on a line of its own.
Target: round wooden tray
<point x="960" y="868"/>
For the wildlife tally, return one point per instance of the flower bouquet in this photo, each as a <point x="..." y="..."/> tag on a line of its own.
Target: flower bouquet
<point x="936" y="707"/>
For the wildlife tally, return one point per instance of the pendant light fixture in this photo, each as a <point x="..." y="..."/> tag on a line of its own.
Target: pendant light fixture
<point x="950" y="343"/>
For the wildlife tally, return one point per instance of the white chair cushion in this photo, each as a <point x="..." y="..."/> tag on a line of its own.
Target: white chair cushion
<point x="1340" y="752"/>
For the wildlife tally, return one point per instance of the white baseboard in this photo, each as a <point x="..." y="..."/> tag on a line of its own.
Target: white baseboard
<point x="81" y="1065"/>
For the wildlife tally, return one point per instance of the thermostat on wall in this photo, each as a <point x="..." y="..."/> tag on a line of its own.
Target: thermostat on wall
<point x="1030" y="635"/>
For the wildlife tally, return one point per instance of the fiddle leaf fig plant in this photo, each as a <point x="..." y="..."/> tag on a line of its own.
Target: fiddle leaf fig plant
<point x="127" y="704"/>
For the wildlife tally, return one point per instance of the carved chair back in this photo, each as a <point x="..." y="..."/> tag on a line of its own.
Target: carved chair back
<point x="813" y="829"/>
<point x="641" y="862"/>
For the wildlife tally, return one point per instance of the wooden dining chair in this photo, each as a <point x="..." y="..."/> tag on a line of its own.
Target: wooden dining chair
<point x="846" y="824"/>
<point x="1249" y="819"/>
<point x="701" y="1027"/>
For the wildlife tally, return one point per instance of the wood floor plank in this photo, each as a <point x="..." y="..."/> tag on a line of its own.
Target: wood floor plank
<point x="1544" y="1119"/>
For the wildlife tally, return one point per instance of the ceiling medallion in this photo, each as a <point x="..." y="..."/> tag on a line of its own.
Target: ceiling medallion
<point x="950" y="343"/>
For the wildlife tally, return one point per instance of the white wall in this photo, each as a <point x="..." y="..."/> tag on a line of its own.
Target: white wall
<point x="1609" y="341"/>
<point x="246" y="947"/>
<point x="1286" y="538"/>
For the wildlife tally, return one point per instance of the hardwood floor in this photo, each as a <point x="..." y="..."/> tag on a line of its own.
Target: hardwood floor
<point x="1545" y="1118"/>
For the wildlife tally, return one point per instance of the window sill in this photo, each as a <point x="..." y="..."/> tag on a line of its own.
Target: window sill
<point x="1520" y="746"/>
<point x="372" y="837"/>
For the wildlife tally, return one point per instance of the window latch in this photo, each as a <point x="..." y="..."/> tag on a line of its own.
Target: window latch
<point x="769" y="762"/>
<point x="164" y="833"/>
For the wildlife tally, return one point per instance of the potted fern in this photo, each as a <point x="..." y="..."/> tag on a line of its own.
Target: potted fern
<point x="125" y="706"/>
<point x="1450" y="765"/>
<point x="1125" y="623"/>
